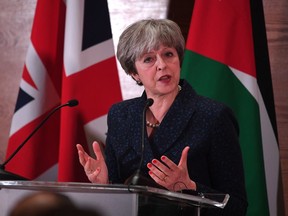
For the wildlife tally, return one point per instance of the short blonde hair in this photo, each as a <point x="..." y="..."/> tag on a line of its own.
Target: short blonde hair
<point x="146" y="35"/>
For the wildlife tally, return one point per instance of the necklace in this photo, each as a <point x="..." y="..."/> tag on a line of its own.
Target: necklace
<point x="149" y="124"/>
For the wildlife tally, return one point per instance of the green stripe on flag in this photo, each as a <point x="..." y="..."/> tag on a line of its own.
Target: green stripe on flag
<point x="217" y="81"/>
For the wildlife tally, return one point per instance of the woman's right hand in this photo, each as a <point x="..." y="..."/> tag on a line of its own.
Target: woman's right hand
<point x="95" y="169"/>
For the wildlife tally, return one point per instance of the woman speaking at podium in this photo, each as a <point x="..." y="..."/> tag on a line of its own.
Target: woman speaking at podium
<point x="190" y="141"/>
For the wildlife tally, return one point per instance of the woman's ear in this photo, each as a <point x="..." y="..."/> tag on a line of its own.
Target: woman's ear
<point x="136" y="77"/>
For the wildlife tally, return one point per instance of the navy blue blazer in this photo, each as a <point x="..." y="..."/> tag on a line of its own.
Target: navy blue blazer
<point x="208" y="127"/>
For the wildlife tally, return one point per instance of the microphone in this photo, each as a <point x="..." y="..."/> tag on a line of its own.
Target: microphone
<point x="5" y="175"/>
<point x="137" y="178"/>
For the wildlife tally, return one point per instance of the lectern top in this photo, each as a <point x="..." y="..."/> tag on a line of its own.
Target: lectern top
<point x="204" y="200"/>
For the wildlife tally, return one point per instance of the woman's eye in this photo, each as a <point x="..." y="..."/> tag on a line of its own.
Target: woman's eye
<point x="169" y="54"/>
<point x="148" y="59"/>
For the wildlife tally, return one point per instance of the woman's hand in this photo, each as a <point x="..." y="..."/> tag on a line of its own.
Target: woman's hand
<point x="171" y="176"/>
<point x="95" y="169"/>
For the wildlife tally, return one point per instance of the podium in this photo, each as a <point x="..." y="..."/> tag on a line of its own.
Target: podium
<point x="110" y="200"/>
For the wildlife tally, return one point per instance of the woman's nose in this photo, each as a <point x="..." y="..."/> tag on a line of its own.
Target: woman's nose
<point x="161" y="64"/>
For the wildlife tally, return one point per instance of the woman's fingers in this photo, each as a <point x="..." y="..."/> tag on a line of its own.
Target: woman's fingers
<point x="79" y="147"/>
<point x="95" y="169"/>
<point x="155" y="171"/>
<point x="172" y="166"/>
<point x="183" y="159"/>
<point x="97" y="150"/>
<point x="83" y="157"/>
<point x="168" y="174"/>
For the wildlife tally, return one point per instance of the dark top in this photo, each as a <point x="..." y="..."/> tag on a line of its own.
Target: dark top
<point x="208" y="127"/>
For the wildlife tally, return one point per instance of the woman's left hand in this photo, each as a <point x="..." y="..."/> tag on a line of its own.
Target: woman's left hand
<point x="171" y="176"/>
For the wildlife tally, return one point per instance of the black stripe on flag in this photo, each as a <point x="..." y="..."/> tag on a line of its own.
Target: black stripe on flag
<point x="96" y="26"/>
<point x="262" y="60"/>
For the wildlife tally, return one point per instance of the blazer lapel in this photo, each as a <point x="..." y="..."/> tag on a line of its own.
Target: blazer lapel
<point x="136" y="127"/>
<point x="175" y="120"/>
<point x="170" y="128"/>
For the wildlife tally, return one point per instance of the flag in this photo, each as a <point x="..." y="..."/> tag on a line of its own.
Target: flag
<point x="70" y="56"/>
<point x="219" y="62"/>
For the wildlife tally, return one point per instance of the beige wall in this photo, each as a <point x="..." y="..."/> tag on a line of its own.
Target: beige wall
<point x="16" y="18"/>
<point x="15" y="25"/>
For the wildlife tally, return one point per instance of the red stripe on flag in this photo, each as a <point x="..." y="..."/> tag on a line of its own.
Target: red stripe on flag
<point x="26" y="76"/>
<point x="217" y="24"/>
<point x="72" y="132"/>
<point x="48" y="36"/>
<point x="39" y="153"/>
<point x="96" y="88"/>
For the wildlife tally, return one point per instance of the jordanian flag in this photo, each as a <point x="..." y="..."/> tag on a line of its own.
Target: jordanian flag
<point x="220" y="63"/>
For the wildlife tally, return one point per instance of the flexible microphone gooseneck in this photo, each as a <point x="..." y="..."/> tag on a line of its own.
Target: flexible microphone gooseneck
<point x="5" y="175"/>
<point x="137" y="178"/>
<point x="148" y="103"/>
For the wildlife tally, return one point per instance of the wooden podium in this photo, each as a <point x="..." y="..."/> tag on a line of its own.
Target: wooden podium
<point x="111" y="200"/>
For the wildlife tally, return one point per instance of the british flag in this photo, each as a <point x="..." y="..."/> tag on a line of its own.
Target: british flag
<point x="70" y="56"/>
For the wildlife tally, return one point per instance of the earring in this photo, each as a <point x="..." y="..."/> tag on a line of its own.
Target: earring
<point x="139" y="82"/>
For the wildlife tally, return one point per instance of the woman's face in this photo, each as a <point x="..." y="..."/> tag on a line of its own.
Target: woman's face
<point x="159" y="71"/>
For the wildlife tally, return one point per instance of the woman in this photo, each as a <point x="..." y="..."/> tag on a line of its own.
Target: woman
<point x="191" y="141"/>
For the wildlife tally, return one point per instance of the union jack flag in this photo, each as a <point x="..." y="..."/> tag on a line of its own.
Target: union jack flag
<point x="70" y="56"/>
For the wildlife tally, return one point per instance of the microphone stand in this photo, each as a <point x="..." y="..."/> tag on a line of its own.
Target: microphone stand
<point x="5" y="175"/>
<point x="137" y="178"/>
